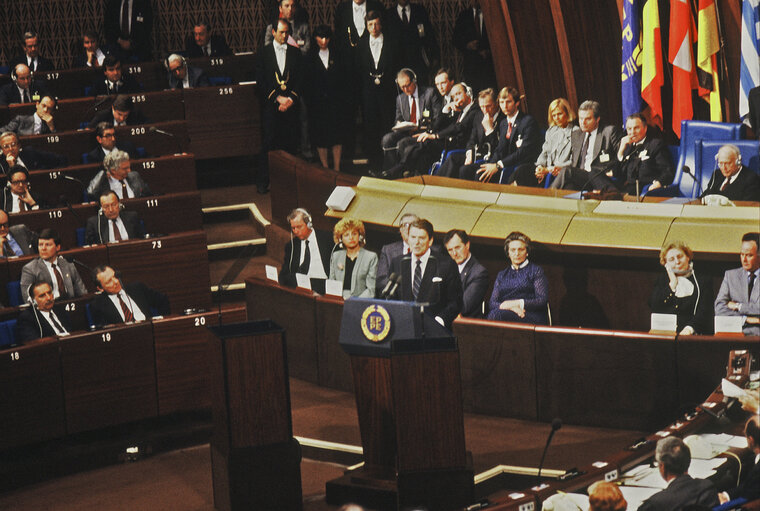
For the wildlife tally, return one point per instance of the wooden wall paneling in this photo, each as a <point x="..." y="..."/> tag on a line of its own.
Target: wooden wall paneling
<point x="730" y="16"/>
<point x="595" y="51"/>
<point x="564" y="50"/>
<point x="501" y="36"/>
<point x="540" y="59"/>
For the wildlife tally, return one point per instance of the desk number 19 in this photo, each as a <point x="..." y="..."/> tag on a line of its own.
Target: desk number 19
<point x="106" y="337"/>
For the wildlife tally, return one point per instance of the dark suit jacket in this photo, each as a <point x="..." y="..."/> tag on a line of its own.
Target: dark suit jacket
<point x="428" y="99"/>
<point x="474" y="278"/>
<point x="219" y="47"/>
<point x="754" y="110"/>
<point x="127" y="85"/>
<point x="25" y="237"/>
<point x="270" y="79"/>
<point x="388" y="253"/>
<point x="24" y="125"/>
<point x="196" y="77"/>
<point x="135" y="118"/>
<point x="104" y="311"/>
<point x="99" y="184"/>
<point x="80" y="59"/>
<point x="682" y="491"/>
<point x="345" y="35"/>
<point x="418" y="40"/>
<point x="478" y="135"/>
<point x="605" y="148"/>
<point x="648" y="161"/>
<point x="140" y="28"/>
<point x="750" y="487"/>
<point x="97" y="155"/>
<point x="35" y="271"/>
<point x="9" y="93"/>
<point x="43" y="63"/>
<point x="746" y="186"/>
<point x="387" y="66"/>
<point x="292" y="256"/>
<point x="441" y="287"/>
<point x="524" y="144"/>
<point x="6" y="201"/>
<point x="32" y="324"/>
<point x="35" y="159"/>
<point x="100" y="232"/>
<point x="456" y="134"/>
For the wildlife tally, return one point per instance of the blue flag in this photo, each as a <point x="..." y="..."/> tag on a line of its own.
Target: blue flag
<point x="632" y="58"/>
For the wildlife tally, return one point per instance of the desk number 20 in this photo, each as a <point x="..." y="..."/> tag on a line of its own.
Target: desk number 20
<point x="200" y="321"/>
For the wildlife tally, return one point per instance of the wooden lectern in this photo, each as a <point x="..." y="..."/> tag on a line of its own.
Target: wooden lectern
<point x="255" y="460"/>
<point x="409" y="400"/>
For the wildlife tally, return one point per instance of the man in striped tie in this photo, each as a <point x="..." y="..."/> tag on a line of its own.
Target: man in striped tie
<point x="44" y="318"/>
<point x="427" y="278"/>
<point x="126" y="303"/>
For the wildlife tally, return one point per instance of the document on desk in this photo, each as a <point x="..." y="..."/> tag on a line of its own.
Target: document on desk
<point x="726" y="440"/>
<point x="635" y="495"/>
<point x="649" y="477"/>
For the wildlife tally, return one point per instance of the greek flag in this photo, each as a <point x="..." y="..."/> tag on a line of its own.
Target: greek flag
<point x="750" y="65"/>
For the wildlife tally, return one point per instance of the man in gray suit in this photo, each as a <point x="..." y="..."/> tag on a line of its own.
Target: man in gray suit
<point x="417" y="105"/>
<point x="39" y="123"/>
<point x="594" y="151"/>
<point x="49" y="267"/>
<point x="17" y="240"/>
<point x="739" y="293"/>
<point x="117" y="176"/>
<point x="474" y="276"/>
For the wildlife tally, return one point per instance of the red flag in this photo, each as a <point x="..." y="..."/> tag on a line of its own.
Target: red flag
<point x="680" y="54"/>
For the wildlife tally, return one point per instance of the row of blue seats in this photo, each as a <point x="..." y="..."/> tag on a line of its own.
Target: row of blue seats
<point x="700" y="142"/>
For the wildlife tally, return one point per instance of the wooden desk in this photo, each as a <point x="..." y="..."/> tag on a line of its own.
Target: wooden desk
<point x="176" y="265"/>
<point x="170" y="213"/>
<point x="334" y="363"/>
<point x="108" y="376"/>
<point x="240" y="67"/>
<point x="64" y="220"/>
<point x="31" y="403"/>
<point x="183" y="377"/>
<point x="70" y="83"/>
<point x="295" y="310"/>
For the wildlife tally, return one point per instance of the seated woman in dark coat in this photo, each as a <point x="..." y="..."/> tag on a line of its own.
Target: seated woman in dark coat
<point x="520" y="292"/>
<point x="680" y="292"/>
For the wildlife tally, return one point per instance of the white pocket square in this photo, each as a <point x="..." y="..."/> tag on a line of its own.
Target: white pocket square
<point x="437" y="279"/>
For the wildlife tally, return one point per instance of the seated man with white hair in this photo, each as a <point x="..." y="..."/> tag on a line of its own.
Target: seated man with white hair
<point x="182" y="76"/>
<point x="732" y="179"/>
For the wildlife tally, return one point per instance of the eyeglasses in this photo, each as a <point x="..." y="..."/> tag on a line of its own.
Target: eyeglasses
<point x="4" y="225"/>
<point x="9" y="145"/>
<point x="19" y="182"/>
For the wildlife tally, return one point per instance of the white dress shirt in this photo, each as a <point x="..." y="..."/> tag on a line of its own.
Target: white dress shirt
<point x="590" y="151"/>
<point x="280" y="53"/>
<point x="376" y="47"/>
<point x="54" y="279"/>
<point x="324" y="56"/>
<point x="316" y="269"/>
<point x="47" y="315"/>
<point x="360" y="12"/>
<point x="119" y="225"/>
<point x="131" y="305"/>
<point x="121" y="11"/>
<point x="115" y="185"/>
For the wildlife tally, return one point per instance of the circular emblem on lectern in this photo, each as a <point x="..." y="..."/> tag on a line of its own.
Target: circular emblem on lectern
<point x="376" y="323"/>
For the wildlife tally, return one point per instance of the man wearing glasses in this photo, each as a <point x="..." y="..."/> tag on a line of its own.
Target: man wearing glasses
<point x="29" y="158"/>
<point x="17" y="197"/>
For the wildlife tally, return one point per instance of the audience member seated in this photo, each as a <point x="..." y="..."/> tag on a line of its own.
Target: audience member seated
<point x="23" y="89"/>
<point x="116" y="303"/>
<point x="680" y="292"/>
<point x="121" y="113"/>
<point x="519" y="141"/>
<point x="43" y="318"/>
<point x="732" y="179"/>
<point x="428" y="278"/>
<point x="414" y="104"/>
<point x="444" y="81"/>
<point x="129" y="34"/>
<point x="484" y="137"/>
<point x="643" y="159"/>
<point x="114" y="81"/>
<point x="593" y="152"/>
<point x="307" y="252"/>
<point x="521" y="291"/>
<point x="16" y="197"/>
<point x="352" y="264"/>
<point x="739" y="293"/>
<point x="556" y="152"/>
<point x="31" y="55"/>
<point x="182" y="76"/>
<point x="449" y="131"/>
<point x="49" y="267"/>
<point x="40" y="122"/>
<point x="673" y="458"/>
<point x="105" y="135"/>
<point x="112" y="223"/>
<point x="326" y="71"/>
<point x="392" y="250"/>
<point x="92" y="54"/>
<point x="749" y="488"/>
<point x="17" y="240"/>
<point x="605" y="496"/>
<point x="473" y="275"/>
<point x="27" y="157"/>
<point x="119" y="177"/>
<point x="204" y="43"/>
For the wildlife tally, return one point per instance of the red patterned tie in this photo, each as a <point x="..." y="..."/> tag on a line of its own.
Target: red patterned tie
<point x="128" y="316"/>
<point x="413" y="115"/>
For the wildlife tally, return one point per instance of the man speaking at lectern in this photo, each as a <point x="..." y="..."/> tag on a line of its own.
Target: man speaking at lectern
<point x="426" y="278"/>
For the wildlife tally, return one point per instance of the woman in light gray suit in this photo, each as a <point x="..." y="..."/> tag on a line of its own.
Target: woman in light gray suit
<point x="353" y="265"/>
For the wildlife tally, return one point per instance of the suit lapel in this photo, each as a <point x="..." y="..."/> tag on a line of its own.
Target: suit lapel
<point x="431" y="269"/>
<point x="597" y="145"/>
<point x="406" y="276"/>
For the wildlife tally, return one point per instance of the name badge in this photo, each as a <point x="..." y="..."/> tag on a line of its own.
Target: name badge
<point x="604" y="157"/>
<point x="519" y="141"/>
<point x="139" y="19"/>
<point x="421" y="30"/>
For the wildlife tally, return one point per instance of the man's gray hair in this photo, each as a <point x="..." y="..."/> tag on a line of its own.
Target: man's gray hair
<point x="175" y="58"/>
<point x="592" y="105"/>
<point x="731" y="147"/>
<point x="674" y="455"/>
<point x="115" y="158"/>
<point x="413" y="216"/>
